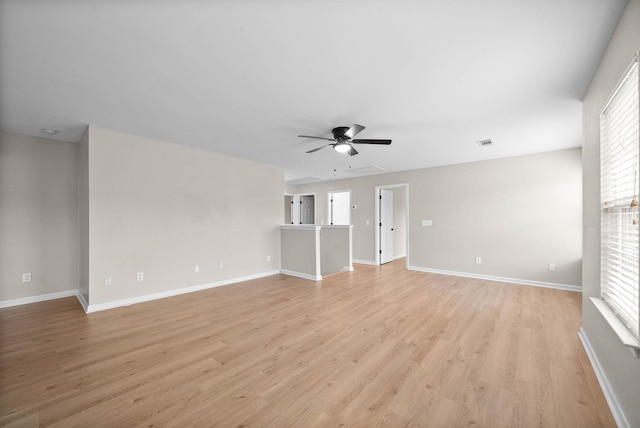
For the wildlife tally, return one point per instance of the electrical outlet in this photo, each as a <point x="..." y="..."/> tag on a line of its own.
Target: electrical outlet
<point x="478" y="260"/>
<point x="140" y="276"/>
<point x="552" y="267"/>
<point x="197" y="269"/>
<point x="108" y="281"/>
<point x="26" y="277"/>
<point x="221" y="265"/>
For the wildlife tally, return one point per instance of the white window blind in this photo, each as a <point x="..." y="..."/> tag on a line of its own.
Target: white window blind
<point x="619" y="183"/>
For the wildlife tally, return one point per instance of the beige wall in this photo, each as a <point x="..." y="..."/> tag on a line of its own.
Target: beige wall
<point x="116" y="204"/>
<point x="621" y="369"/>
<point x="38" y="220"/>
<point x="334" y="249"/>
<point x="300" y="251"/>
<point x="310" y="251"/>
<point x="519" y="214"/>
<point x="162" y="208"/>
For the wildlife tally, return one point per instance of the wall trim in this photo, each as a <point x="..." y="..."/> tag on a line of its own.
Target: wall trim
<point x="566" y="287"/>
<point x="83" y="302"/>
<point x="38" y="298"/>
<point x="301" y="275"/>
<point x="371" y="263"/>
<point x="619" y="328"/>
<point x="365" y="262"/>
<point x="174" y="292"/>
<point x="609" y="395"/>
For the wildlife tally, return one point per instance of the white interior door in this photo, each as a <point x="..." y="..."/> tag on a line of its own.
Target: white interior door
<point x="307" y="209"/>
<point x="340" y="208"/>
<point x="386" y="225"/>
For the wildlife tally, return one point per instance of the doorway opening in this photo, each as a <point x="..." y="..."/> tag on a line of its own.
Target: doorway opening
<point x="299" y="208"/>
<point x="339" y="203"/>
<point x="308" y="209"/>
<point x="289" y="208"/>
<point x="392" y="223"/>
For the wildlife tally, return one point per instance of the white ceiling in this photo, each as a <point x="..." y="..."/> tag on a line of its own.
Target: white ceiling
<point x="246" y="77"/>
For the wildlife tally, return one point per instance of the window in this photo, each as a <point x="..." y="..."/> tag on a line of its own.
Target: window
<point x="339" y="207"/>
<point x="619" y="183"/>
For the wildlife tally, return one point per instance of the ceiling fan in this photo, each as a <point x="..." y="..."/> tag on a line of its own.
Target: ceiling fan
<point x="343" y="140"/>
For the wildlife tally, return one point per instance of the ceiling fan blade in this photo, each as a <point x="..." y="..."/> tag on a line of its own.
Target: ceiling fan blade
<point x="355" y="129"/>
<point x="387" y="142"/>
<point x="352" y="151"/>
<point x="317" y="138"/>
<point x="318" y="148"/>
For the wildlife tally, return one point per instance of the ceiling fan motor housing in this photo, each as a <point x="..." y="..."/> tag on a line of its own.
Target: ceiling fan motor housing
<point x="338" y="132"/>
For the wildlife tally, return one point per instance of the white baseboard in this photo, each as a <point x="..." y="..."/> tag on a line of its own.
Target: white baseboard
<point x="364" y="262"/>
<point x="83" y="302"/>
<point x="39" y="298"/>
<point x="399" y="256"/>
<point x="500" y="279"/>
<point x="616" y="411"/>
<point x="309" y="276"/>
<point x="131" y="301"/>
<point x="175" y="292"/>
<point x="301" y="275"/>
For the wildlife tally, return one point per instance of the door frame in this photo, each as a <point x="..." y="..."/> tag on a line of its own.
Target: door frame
<point x="292" y="209"/>
<point x="377" y="224"/>
<point x="386" y="226"/>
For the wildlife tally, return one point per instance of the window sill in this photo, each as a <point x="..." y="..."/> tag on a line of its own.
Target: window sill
<point x="618" y="327"/>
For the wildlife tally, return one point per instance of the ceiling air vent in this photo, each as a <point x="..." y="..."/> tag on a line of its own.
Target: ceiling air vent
<point x="483" y="143"/>
<point x="303" y="180"/>
<point x="365" y="170"/>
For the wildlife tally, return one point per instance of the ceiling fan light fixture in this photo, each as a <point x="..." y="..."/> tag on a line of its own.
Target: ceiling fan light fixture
<point x="342" y="147"/>
<point x="342" y="141"/>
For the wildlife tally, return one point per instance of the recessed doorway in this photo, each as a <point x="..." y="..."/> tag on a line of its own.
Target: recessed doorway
<point x="392" y="223"/>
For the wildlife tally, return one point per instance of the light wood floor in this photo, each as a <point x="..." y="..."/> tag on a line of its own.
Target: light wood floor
<point x="380" y="346"/>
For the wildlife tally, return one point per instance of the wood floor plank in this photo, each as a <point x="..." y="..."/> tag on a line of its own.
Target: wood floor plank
<point x="380" y="346"/>
<point x="534" y="406"/>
